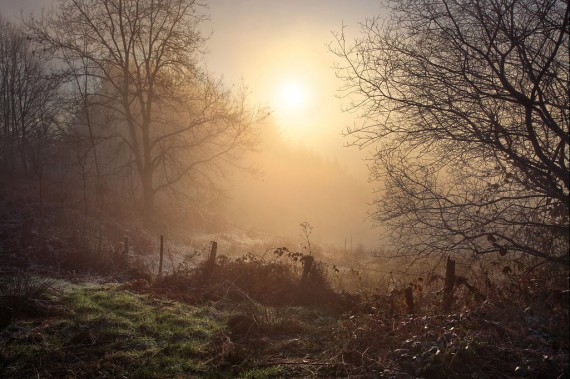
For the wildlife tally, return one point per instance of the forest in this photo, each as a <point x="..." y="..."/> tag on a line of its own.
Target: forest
<point x="157" y="222"/>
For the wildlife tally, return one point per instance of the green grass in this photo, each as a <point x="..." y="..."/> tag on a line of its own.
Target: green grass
<point x="106" y="332"/>
<point x="93" y="331"/>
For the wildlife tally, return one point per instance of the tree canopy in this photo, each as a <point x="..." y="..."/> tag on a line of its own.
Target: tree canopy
<point x="466" y="103"/>
<point x="146" y="100"/>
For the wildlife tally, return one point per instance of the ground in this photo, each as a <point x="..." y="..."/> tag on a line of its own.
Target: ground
<point x="74" y="305"/>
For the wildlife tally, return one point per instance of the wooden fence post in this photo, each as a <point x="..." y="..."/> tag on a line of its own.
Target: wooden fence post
<point x="308" y="262"/>
<point x="161" y="255"/>
<point x="211" y="262"/>
<point x="213" y="251"/>
<point x="126" y="245"/>
<point x="100" y="242"/>
<point x="448" y="286"/>
<point x="409" y="293"/>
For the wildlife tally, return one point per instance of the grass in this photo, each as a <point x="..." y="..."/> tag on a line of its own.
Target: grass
<point x="106" y="332"/>
<point x="250" y="317"/>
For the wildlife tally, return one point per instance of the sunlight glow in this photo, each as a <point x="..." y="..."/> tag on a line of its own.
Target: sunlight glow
<point x="292" y="102"/>
<point x="292" y="96"/>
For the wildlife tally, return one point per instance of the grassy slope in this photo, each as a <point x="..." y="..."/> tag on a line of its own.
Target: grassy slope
<point x="108" y="332"/>
<point x="94" y="330"/>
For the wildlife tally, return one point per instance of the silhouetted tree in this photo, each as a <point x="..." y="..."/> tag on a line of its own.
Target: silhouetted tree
<point x="28" y="102"/>
<point x="166" y="117"/>
<point x="82" y="104"/>
<point x="466" y="102"/>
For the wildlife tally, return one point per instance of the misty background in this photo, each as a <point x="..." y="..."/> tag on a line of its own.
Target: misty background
<point x="301" y="170"/>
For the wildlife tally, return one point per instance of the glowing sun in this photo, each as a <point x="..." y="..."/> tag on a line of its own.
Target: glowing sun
<point x="292" y="103"/>
<point x="292" y="96"/>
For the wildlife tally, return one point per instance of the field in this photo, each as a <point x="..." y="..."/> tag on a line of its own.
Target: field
<point x="74" y="305"/>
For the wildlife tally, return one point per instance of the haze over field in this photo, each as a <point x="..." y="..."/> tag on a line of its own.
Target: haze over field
<point x="279" y="51"/>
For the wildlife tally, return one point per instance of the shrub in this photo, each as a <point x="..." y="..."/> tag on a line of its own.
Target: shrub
<point x="22" y="294"/>
<point x="275" y="283"/>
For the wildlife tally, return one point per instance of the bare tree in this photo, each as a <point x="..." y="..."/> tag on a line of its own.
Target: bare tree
<point x="28" y="101"/>
<point x="467" y="105"/>
<point x="170" y="119"/>
<point x="84" y="89"/>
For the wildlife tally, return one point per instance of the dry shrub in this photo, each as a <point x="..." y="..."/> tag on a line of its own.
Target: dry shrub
<point x="483" y="342"/>
<point x="274" y="283"/>
<point x="516" y="327"/>
<point x="542" y="297"/>
<point x="23" y="295"/>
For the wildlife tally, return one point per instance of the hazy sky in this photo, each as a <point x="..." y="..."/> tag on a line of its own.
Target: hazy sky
<point x="282" y="46"/>
<point x="279" y="48"/>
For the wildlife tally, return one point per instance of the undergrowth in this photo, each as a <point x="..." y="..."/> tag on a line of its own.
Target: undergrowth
<point x="270" y="282"/>
<point x="280" y="314"/>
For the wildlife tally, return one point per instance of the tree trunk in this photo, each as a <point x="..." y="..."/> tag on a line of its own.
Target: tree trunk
<point x="148" y="196"/>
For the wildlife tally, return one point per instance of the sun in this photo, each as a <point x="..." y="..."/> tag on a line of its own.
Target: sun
<point x="292" y="96"/>
<point x="292" y="102"/>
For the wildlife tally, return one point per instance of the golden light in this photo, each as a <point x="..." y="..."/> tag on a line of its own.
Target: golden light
<point x="292" y="102"/>
<point x="292" y="96"/>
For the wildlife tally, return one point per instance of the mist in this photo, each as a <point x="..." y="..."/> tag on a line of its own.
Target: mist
<point x="258" y="188"/>
<point x="295" y="184"/>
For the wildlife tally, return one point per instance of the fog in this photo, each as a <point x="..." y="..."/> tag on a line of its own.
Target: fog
<point x="296" y="184"/>
<point x="301" y="170"/>
<point x="306" y="172"/>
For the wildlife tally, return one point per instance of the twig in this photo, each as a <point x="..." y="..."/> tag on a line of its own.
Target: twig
<point x="301" y="363"/>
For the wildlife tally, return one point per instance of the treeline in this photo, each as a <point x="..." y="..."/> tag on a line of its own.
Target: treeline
<point x="115" y="95"/>
<point x="30" y="108"/>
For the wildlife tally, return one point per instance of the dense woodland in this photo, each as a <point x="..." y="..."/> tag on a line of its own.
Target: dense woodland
<point x="113" y="132"/>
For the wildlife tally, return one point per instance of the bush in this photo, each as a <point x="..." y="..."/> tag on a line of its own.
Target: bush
<point x="22" y="294"/>
<point x="275" y="283"/>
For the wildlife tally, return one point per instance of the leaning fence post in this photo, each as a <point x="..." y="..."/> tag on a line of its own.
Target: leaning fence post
<point x="161" y="254"/>
<point x="448" y="286"/>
